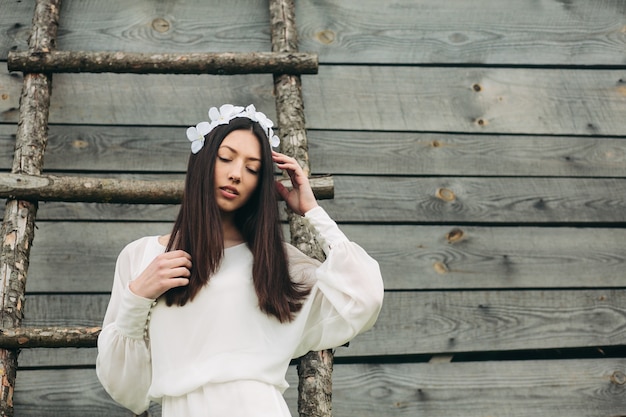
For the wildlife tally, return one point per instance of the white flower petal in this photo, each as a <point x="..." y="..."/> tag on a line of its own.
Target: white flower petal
<point x="214" y="114"/>
<point x="204" y="128"/>
<point x="196" y="145"/>
<point x="275" y="141"/>
<point x="192" y="133"/>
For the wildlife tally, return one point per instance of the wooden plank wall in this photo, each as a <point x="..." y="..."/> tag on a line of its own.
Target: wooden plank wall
<point x="479" y="153"/>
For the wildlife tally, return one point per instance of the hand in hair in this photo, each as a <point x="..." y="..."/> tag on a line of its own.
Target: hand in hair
<point x="300" y="198"/>
<point x="168" y="270"/>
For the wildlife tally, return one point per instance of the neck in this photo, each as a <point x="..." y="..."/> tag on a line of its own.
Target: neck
<point x="232" y="235"/>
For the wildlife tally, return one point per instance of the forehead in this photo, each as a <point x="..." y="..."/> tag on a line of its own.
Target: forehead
<point x="243" y="143"/>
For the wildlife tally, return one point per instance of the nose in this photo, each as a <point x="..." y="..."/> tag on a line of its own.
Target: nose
<point x="235" y="174"/>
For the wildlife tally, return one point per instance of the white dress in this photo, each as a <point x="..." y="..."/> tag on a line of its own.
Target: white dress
<point x="220" y="355"/>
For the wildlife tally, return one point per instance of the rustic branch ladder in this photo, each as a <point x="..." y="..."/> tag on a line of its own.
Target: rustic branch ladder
<point x="25" y="186"/>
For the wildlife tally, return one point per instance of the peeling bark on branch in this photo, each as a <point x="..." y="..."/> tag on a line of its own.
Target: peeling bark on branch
<point x="49" y="337"/>
<point x="19" y="216"/>
<point x="315" y="368"/>
<point x="110" y="190"/>
<point x="315" y="388"/>
<point x="226" y="63"/>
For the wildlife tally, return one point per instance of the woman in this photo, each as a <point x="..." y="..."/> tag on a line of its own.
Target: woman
<point x="206" y="320"/>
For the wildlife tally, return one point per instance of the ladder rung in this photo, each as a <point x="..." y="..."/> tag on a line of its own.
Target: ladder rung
<point x="225" y="63"/>
<point x="112" y="190"/>
<point x="48" y="337"/>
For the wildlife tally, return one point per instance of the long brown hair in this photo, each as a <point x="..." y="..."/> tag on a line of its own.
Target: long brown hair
<point x="198" y="229"/>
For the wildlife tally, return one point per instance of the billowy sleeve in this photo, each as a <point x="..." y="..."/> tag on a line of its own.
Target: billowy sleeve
<point x="347" y="288"/>
<point x="123" y="363"/>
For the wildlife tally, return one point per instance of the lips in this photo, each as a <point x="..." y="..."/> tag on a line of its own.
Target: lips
<point x="229" y="191"/>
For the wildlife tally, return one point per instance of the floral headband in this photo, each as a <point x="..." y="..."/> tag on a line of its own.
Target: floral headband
<point x="223" y="116"/>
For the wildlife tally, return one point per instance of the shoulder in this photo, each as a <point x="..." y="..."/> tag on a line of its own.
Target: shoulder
<point x="140" y="249"/>
<point x="142" y="244"/>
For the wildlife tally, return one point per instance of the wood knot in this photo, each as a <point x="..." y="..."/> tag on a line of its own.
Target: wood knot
<point x="435" y="144"/>
<point x="618" y="378"/>
<point x="481" y="122"/>
<point x="160" y="25"/>
<point x="441" y="268"/>
<point x="445" y="194"/>
<point x="80" y="144"/>
<point x="477" y="88"/>
<point x="325" y="36"/>
<point x="455" y="235"/>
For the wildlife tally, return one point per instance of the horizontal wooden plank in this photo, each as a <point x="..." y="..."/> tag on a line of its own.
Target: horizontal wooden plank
<point x="15" y="23"/>
<point x="504" y="389"/>
<point x="572" y="388"/>
<point x="478" y="200"/>
<point x="478" y="100"/>
<point x="391" y="153"/>
<point x="146" y="26"/>
<point x="429" y="31"/>
<point x="486" y="100"/>
<point x="433" y="321"/>
<point x="455" y="200"/>
<point x="154" y="149"/>
<point x="456" y="31"/>
<point x="56" y="358"/>
<point x="80" y="257"/>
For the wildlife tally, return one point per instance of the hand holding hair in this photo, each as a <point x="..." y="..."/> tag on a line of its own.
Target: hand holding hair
<point x="168" y="270"/>
<point x="300" y="198"/>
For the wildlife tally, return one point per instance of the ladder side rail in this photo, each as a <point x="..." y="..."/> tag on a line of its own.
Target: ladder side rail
<point x="315" y="368"/>
<point x="19" y="217"/>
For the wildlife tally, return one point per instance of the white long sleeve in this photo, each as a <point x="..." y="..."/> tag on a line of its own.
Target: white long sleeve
<point x="348" y="292"/>
<point x="123" y="363"/>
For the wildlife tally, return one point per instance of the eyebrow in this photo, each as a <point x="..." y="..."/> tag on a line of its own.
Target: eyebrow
<point x="235" y="151"/>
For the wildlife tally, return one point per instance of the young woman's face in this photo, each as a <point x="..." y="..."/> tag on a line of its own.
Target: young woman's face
<point x="237" y="170"/>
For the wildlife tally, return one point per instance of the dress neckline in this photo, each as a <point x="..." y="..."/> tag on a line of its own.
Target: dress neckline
<point x="158" y="242"/>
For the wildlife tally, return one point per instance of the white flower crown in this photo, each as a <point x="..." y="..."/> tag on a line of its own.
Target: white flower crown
<point x="223" y="116"/>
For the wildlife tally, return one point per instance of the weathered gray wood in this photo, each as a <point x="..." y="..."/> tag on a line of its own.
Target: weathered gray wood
<point x="111" y="190"/>
<point x="15" y="22"/>
<point x="488" y="32"/>
<point x="504" y="389"/>
<point x="112" y="148"/>
<point x="429" y="322"/>
<point x="576" y="388"/>
<point x="478" y="200"/>
<point x="147" y="26"/>
<point x="456" y="31"/>
<point x="390" y="153"/>
<point x="226" y="63"/>
<point x="60" y="357"/>
<point x="518" y="100"/>
<point x="486" y="100"/>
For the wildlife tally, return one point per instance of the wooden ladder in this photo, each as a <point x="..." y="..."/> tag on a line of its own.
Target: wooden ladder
<point x="25" y="185"/>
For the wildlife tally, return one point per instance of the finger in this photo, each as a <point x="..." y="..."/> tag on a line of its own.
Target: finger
<point x="178" y="253"/>
<point x="179" y="273"/>
<point x="283" y="192"/>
